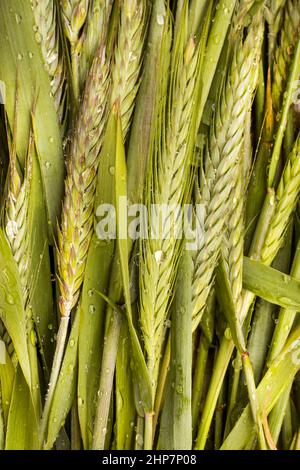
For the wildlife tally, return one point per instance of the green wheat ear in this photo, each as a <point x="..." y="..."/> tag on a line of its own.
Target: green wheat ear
<point x="82" y="163"/>
<point x="169" y="180"/>
<point x="289" y="36"/>
<point x="286" y="201"/>
<point x="220" y="170"/>
<point x="128" y="58"/>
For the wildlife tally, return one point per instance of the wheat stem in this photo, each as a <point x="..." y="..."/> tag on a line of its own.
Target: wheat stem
<point x="57" y="360"/>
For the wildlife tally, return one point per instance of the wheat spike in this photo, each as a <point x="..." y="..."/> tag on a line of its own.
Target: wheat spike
<point x="225" y="144"/>
<point x="47" y="34"/>
<point x="289" y="36"/>
<point x="233" y="242"/>
<point x="170" y="170"/>
<point x="287" y="197"/>
<point x="77" y="219"/>
<point x="95" y="31"/>
<point x="16" y="223"/>
<point x="128" y="58"/>
<point x="16" y="216"/>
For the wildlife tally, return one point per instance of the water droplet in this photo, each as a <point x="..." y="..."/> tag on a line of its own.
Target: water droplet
<point x="227" y="334"/>
<point x="296" y="358"/>
<point x="18" y="18"/>
<point x="139" y="439"/>
<point x="158" y="256"/>
<point x="92" y="309"/>
<point x="91" y="292"/>
<point x="132" y="57"/>
<point x="112" y="170"/>
<point x="50" y="326"/>
<point x="11" y="229"/>
<point x="104" y="430"/>
<point x="51" y="140"/>
<point x="47" y="164"/>
<point x="216" y="39"/>
<point x="9" y="299"/>
<point x="38" y="38"/>
<point x="33" y="337"/>
<point x="20" y="56"/>
<point x="80" y="401"/>
<point x="72" y="343"/>
<point x="71" y="367"/>
<point x="30" y="55"/>
<point x="160" y="19"/>
<point x="54" y="420"/>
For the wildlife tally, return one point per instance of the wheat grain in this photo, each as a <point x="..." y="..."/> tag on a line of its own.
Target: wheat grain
<point x="287" y="197"/>
<point x="284" y="52"/>
<point x="128" y="58"/>
<point x="169" y="172"/>
<point x="221" y="163"/>
<point x="47" y="34"/>
<point x="95" y="31"/>
<point x="77" y="219"/>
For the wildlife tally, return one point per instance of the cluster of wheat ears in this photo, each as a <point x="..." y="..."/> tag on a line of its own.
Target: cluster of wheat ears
<point x="146" y="344"/>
